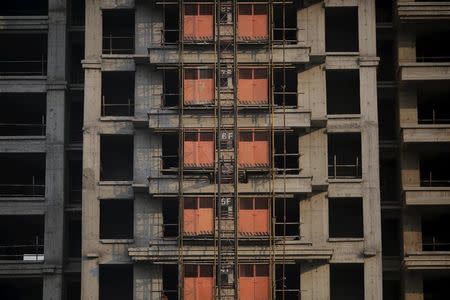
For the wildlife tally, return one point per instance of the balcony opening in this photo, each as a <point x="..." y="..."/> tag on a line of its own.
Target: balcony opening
<point x="253" y="149"/>
<point x="171" y="34"/>
<point x="198" y="22"/>
<point x="198" y="282"/>
<point x="22" y="238"/>
<point x="343" y="92"/>
<point x="76" y="103"/>
<point x="74" y="237"/>
<point x="169" y="282"/>
<point x="171" y="88"/>
<point x="341" y="36"/>
<point x="435" y="287"/>
<point x="347" y="281"/>
<point x="116" y="219"/>
<point x="118" y="31"/>
<point x="254" y="281"/>
<point x="391" y="289"/>
<point x="389" y="180"/>
<point x="345" y="217"/>
<point x="116" y="157"/>
<point x="383" y="11"/>
<point x="287" y="279"/>
<point x="287" y="217"/>
<point x="22" y="175"/>
<point x="24" y="8"/>
<point x="344" y="155"/>
<point x="387" y="119"/>
<point x="252" y="23"/>
<point x="386" y="67"/>
<point x="434" y="169"/>
<point x="433" y="106"/>
<point x="21" y="288"/>
<point x="170" y="148"/>
<point x="115" y="281"/>
<point x="20" y="58"/>
<point x="435" y="234"/>
<point x="254" y="216"/>
<point x="199" y="86"/>
<point x="253" y="86"/>
<point x="118" y="94"/>
<point x="285" y="23"/>
<point x="431" y="48"/>
<point x="286" y="153"/>
<point x="170" y="217"/>
<point x="76" y="55"/>
<point x="198" y="149"/>
<point x="390" y="237"/>
<point x="285" y="87"/>
<point x="17" y="121"/>
<point x="77" y="12"/>
<point x="73" y="286"/>
<point x="198" y="216"/>
<point x="75" y="179"/>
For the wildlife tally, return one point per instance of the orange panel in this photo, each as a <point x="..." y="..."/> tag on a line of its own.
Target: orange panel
<point x="190" y="152"/>
<point x="260" y="86"/>
<point x="262" y="282"/>
<point x="198" y="22"/>
<point x="261" y="148"/>
<point x="260" y="22"/>
<point x="245" y="149"/>
<point x="246" y="282"/>
<point x="198" y="283"/>
<point x="198" y="86"/>
<point x="246" y="216"/>
<point x="261" y="216"/>
<point x="253" y="86"/>
<point x="199" y="149"/>
<point x="205" y="215"/>
<point x="252" y="22"/>
<point x="245" y="22"/>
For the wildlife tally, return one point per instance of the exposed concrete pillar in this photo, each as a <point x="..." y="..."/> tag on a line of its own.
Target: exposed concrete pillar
<point x="412" y="231"/>
<point x="315" y="280"/>
<point x="311" y="24"/>
<point x="147" y="281"/>
<point x="149" y="26"/>
<point x="413" y="285"/>
<point x="55" y="156"/>
<point x="312" y="92"/>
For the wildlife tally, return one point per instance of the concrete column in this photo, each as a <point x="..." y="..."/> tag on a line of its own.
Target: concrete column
<point x="312" y="92"/>
<point x="311" y="24"/>
<point x="147" y="281"/>
<point x="413" y="285"/>
<point x="412" y="231"/>
<point x="55" y="157"/>
<point x="149" y="26"/>
<point x="315" y="280"/>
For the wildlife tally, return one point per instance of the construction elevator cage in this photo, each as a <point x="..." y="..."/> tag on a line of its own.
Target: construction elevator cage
<point x="229" y="154"/>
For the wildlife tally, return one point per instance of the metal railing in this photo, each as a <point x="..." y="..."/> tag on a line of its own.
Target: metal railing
<point x="22" y="190"/>
<point x="118" y="109"/>
<point x="434" y="119"/>
<point x="24" y="67"/>
<point x="19" y="129"/>
<point x="436" y="245"/>
<point x="27" y="252"/>
<point x="343" y="171"/>
<point x="430" y="181"/>
<point x="118" y="44"/>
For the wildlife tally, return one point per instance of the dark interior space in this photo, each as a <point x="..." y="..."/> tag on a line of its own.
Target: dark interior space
<point x="341" y="36"/>
<point x="285" y="87"/>
<point x="387" y="119"/>
<point x="342" y="92"/>
<point x="116" y="219"/>
<point x="347" y="281"/>
<point x="24" y="8"/>
<point x="117" y="93"/>
<point x="285" y="23"/>
<point x="77" y="12"/>
<point x="19" y="59"/>
<point x="390" y="237"/>
<point x="386" y="67"/>
<point x="436" y="288"/>
<point x="433" y="106"/>
<point x="116" y="157"/>
<point x="170" y="151"/>
<point x="171" y="24"/>
<point x="287" y="281"/>
<point x="76" y="54"/>
<point x="286" y="153"/>
<point x="389" y="180"/>
<point x="76" y="115"/>
<point x="170" y="217"/>
<point x="345" y="217"/>
<point x="75" y="179"/>
<point x="170" y="282"/>
<point x="73" y="286"/>
<point x="434" y="169"/>
<point x="432" y="47"/>
<point x="344" y="155"/>
<point x="22" y="174"/>
<point x="391" y="290"/>
<point x="118" y="31"/>
<point x="17" y="121"/>
<point x="22" y="238"/>
<point x="435" y="233"/>
<point x="383" y="11"/>
<point x="171" y="94"/>
<point x="21" y="288"/>
<point x="115" y="281"/>
<point x="74" y="236"/>
<point x="287" y="217"/>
